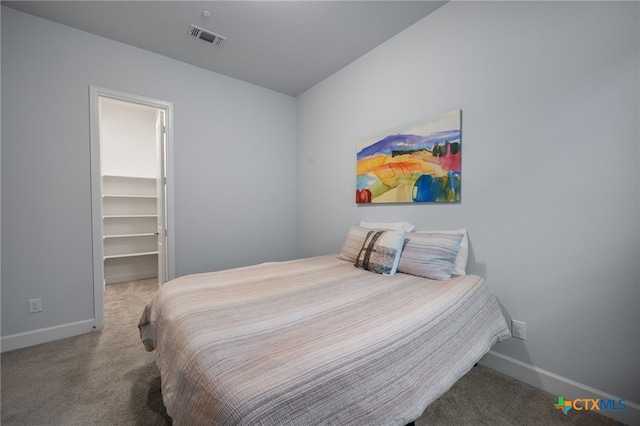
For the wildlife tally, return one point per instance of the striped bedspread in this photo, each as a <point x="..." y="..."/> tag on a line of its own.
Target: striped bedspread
<point x="314" y="341"/>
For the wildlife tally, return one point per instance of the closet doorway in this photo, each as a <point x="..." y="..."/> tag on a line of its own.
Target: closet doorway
<point x="131" y="197"/>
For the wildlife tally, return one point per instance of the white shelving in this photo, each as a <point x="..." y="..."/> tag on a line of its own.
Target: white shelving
<point x="130" y="245"/>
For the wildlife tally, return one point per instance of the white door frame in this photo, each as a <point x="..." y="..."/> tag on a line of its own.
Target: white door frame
<point x="95" y="93"/>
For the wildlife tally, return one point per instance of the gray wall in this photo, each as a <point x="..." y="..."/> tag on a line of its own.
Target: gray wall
<point x="550" y="171"/>
<point x="234" y="165"/>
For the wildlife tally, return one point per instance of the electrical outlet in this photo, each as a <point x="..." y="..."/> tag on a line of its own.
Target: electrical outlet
<point x="518" y="329"/>
<point x="35" y="305"/>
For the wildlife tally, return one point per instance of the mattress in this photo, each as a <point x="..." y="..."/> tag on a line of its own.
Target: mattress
<point x="314" y="341"/>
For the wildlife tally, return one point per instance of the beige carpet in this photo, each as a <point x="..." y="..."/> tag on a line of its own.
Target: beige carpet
<point x="107" y="378"/>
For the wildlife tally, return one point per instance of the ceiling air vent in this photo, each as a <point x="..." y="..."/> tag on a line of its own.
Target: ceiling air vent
<point x="207" y="36"/>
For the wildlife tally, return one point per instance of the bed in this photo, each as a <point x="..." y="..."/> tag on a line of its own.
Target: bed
<point x="315" y="341"/>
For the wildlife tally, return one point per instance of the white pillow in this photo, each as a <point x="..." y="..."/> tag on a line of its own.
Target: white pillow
<point x="394" y="226"/>
<point x="460" y="267"/>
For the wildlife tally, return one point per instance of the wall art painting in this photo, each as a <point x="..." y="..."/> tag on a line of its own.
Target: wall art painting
<point x="416" y="163"/>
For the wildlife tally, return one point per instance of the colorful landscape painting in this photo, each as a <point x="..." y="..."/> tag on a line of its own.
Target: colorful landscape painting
<point x="418" y="163"/>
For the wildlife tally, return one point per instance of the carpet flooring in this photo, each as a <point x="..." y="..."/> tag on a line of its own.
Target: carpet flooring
<point x="107" y="378"/>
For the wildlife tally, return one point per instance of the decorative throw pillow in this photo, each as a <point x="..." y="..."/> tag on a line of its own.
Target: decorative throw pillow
<point x="430" y="255"/>
<point x="353" y="243"/>
<point x="380" y="252"/>
<point x="460" y="267"/>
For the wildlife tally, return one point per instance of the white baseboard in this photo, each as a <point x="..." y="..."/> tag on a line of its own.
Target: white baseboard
<point x="559" y="386"/>
<point x="44" y="335"/>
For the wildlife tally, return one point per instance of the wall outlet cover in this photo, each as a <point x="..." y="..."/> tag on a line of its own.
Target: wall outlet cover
<point x="518" y="329"/>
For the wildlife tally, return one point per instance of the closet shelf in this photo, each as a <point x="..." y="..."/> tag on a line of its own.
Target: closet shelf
<point x="119" y="216"/>
<point x="123" y="177"/>
<point x="146" y="234"/>
<point x="130" y="217"/>
<point x="128" y="196"/>
<point x="119" y="256"/>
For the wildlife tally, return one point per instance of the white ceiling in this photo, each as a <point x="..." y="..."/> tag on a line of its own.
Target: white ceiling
<point x="286" y="46"/>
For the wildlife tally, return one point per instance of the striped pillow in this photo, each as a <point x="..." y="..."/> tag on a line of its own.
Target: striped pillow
<point x="430" y="255"/>
<point x="353" y="243"/>
<point x="380" y="252"/>
<point x="460" y="267"/>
